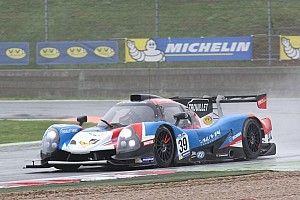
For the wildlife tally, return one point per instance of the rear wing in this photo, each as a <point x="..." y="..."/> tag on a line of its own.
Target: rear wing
<point x="204" y="105"/>
<point x="261" y="99"/>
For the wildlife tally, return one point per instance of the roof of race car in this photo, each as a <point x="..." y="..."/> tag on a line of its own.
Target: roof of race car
<point x="159" y="101"/>
<point x="156" y="101"/>
<point x="146" y="99"/>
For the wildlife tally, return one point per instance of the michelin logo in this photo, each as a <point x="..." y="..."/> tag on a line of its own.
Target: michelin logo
<point x="215" y="47"/>
<point x="188" y="49"/>
<point x="150" y="54"/>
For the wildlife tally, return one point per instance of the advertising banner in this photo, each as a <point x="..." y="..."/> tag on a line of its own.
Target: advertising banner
<point x="77" y="52"/>
<point x="188" y="49"/>
<point x="289" y="47"/>
<point x="14" y="53"/>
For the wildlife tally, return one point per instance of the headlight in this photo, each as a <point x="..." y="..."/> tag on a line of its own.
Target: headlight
<point x="126" y="133"/>
<point x="50" y="141"/>
<point x="127" y="141"/>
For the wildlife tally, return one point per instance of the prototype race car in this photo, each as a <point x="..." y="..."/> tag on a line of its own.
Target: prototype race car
<point x="150" y="130"/>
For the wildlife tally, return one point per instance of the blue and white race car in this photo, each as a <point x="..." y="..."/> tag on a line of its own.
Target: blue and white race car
<point x="151" y="130"/>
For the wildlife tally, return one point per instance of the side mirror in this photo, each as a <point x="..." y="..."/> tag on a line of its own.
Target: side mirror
<point x="82" y="119"/>
<point x="180" y="116"/>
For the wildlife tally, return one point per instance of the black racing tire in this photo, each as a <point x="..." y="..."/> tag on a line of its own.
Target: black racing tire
<point x="164" y="147"/>
<point x="67" y="168"/>
<point x="252" y="138"/>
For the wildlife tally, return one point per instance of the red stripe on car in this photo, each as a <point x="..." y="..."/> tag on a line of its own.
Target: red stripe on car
<point x="138" y="129"/>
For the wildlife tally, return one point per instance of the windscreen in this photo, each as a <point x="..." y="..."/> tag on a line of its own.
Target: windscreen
<point x="128" y="114"/>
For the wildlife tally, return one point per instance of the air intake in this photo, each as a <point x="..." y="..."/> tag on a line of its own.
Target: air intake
<point x="142" y="97"/>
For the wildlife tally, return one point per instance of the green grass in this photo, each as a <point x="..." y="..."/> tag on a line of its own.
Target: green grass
<point x="100" y="20"/>
<point x="177" y="177"/>
<point x="24" y="131"/>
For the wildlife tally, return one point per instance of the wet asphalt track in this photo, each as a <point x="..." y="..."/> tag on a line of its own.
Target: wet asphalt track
<point x="52" y="109"/>
<point x="285" y="114"/>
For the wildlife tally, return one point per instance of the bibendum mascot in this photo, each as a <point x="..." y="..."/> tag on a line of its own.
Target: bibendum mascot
<point x="290" y="51"/>
<point x="150" y="54"/>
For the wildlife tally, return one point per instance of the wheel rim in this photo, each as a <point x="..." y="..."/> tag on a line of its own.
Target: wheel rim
<point x="164" y="146"/>
<point x="253" y="137"/>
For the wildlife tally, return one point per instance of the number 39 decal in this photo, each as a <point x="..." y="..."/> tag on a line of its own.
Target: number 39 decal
<point x="183" y="147"/>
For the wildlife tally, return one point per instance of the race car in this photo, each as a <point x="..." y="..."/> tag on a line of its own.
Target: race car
<point x="151" y="130"/>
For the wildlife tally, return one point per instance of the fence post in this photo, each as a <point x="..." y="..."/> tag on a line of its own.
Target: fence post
<point x="269" y="31"/>
<point x="46" y="19"/>
<point x="157" y="17"/>
<point x="157" y="20"/>
<point x="46" y="23"/>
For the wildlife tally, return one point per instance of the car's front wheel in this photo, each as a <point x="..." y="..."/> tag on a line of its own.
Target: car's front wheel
<point x="164" y="147"/>
<point x="252" y="138"/>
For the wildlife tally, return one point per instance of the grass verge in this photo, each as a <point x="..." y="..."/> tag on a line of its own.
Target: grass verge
<point x="177" y="177"/>
<point x="12" y="131"/>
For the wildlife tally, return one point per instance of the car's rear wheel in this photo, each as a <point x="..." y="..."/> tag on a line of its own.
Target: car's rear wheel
<point x="164" y="148"/>
<point x="252" y="138"/>
<point x="67" y="168"/>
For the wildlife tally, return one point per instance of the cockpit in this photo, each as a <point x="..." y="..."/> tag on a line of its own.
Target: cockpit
<point x="126" y="114"/>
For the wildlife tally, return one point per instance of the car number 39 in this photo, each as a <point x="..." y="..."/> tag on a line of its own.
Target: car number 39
<point x="182" y="142"/>
<point x="183" y="146"/>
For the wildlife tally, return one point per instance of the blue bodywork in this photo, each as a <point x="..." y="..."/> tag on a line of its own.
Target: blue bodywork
<point x="66" y="132"/>
<point x="227" y="126"/>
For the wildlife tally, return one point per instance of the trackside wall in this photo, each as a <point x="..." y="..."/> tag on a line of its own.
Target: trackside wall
<point x="118" y="83"/>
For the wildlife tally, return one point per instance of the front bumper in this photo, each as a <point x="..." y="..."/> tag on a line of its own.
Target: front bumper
<point x="37" y="164"/>
<point x="47" y="164"/>
<point x="60" y="157"/>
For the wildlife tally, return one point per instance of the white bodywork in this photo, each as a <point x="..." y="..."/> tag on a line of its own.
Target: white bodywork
<point x="85" y="142"/>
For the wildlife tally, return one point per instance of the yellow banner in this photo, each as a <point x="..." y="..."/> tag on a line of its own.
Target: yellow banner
<point x="289" y="47"/>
